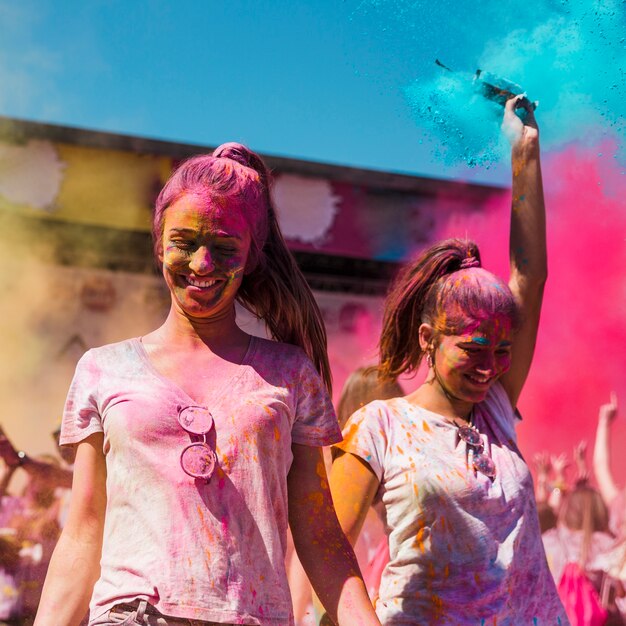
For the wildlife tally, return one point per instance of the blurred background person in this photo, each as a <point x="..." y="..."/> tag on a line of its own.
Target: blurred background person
<point x="581" y="549"/>
<point x="30" y="524"/>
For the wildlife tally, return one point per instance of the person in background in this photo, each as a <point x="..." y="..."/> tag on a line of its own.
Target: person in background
<point x="464" y="538"/>
<point x="29" y="529"/>
<point x="613" y="496"/>
<point x="578" y="550"/>
<point x="371" y="547"/>
<point x="552" y="485"/>
<point x="197" y="443"/>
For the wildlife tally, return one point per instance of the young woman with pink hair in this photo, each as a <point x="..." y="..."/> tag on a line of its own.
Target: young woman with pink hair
<point x="464" y="539"/>
<point x="197" y="443"/>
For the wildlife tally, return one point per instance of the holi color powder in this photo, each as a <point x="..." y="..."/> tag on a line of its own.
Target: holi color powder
<point x="568" y="55"/>
<point x="571" y="57"/>
<point x="465" y="122"/>
<point x="581" y="345"/>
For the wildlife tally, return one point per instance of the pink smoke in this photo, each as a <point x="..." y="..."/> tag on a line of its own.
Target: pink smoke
<point x="581" y="349"/>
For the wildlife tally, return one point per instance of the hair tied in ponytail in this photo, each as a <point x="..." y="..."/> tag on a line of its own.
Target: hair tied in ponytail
<point x="470" y="261"/>
<point x="234" y="151"/>
<point x="244" y="156"/>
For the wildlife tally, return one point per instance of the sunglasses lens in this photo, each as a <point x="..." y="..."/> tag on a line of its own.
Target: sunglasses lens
<point x="484" y="465"/>
<point x="196" y="420"/>
<point x="470" y="435"/>
<point x="198" y="460"/>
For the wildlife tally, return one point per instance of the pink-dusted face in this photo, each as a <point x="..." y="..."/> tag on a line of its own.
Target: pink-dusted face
<point x="205" y="249"/>
<point x="469" y="363"/>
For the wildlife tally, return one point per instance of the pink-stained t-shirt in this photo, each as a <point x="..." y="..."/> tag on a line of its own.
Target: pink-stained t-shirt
<point x="210" y="551"/>
<point x="464" y="549"/>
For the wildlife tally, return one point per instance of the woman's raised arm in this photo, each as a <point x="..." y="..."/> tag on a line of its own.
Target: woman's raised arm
<point x="527" y="244"/>
<point x="602" y="451"/>
<point x="75" y="564"/>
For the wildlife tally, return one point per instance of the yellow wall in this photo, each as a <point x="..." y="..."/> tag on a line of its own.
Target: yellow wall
<point x="100" y="187"/>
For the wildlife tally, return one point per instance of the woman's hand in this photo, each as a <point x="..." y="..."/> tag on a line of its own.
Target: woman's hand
<point x="602" y="452"/>
<point x="543" y="467"/>
<point x="608" y="412"/>
<point x="559" y="463"/>
<point x="8" y="452"/>
<point x="522" y="133"/>
<point x="542" y="464"/>
<point x="580" y="460"/>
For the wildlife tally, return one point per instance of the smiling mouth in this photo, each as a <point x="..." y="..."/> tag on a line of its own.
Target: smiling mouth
<point x="481" y="380"/>
<point x="201" y="284"/>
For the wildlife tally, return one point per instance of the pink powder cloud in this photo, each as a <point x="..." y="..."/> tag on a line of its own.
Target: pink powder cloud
<point x="581" y="351"/>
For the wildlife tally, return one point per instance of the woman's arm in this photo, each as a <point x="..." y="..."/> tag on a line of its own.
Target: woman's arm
<point x="580" y="461"/>
<point x="324" y="550"/>
<point x="527" y="245"/>
<point x="353" y="485"/>
<point x="9" y="470"/>
<point x="39" y="469"/>
<point x="602" y="451"/>
<point x="75" y="564"/>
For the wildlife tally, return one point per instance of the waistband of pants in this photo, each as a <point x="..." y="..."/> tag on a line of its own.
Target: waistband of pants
<point x="143" y="608"/>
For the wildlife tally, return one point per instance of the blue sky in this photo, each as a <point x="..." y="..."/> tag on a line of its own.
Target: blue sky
<point x="319" y="79"/>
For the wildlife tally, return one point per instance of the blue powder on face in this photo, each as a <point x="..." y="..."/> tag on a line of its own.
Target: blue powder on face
<point x="481" y="341"/>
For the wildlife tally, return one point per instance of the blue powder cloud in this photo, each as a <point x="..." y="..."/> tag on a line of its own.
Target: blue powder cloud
<point x="568" y="55"/>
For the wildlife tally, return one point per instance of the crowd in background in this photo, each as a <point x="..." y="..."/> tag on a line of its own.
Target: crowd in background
<point x="584" y="530"/>
<point x="30" y="524"/>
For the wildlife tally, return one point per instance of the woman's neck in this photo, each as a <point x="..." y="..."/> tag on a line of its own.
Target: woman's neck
<point x="219" y="334"/>
<point x="432" y="396"/>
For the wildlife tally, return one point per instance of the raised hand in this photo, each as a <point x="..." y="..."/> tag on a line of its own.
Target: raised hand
<point x="520" y="132"/>
<point x="559" y="464"/>
<point x="542" y="463"/>
<point x="580" y="459"/>
<point x="608" y="412"/>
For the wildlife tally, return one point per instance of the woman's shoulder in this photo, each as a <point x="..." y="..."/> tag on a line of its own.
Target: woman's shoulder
<point x="276" y="353"/>
<point x="111" y="353"/>
<point x="382" y="413"/>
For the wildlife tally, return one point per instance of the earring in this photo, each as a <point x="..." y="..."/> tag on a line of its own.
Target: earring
<point x="429" y="360"/>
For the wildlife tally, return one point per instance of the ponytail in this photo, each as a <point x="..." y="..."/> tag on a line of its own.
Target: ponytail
<point x="419" y="294"/>
<point x="277" y="292"/>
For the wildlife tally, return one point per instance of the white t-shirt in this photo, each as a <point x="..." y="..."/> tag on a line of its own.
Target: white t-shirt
<point x="464" y="549"/>
<point x="563" y="546"/>
<point x="203" y="551"/>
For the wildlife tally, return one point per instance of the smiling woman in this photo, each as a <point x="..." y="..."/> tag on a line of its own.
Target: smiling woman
<point x="464" y="540"/>
<point x="197" y="444"/>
